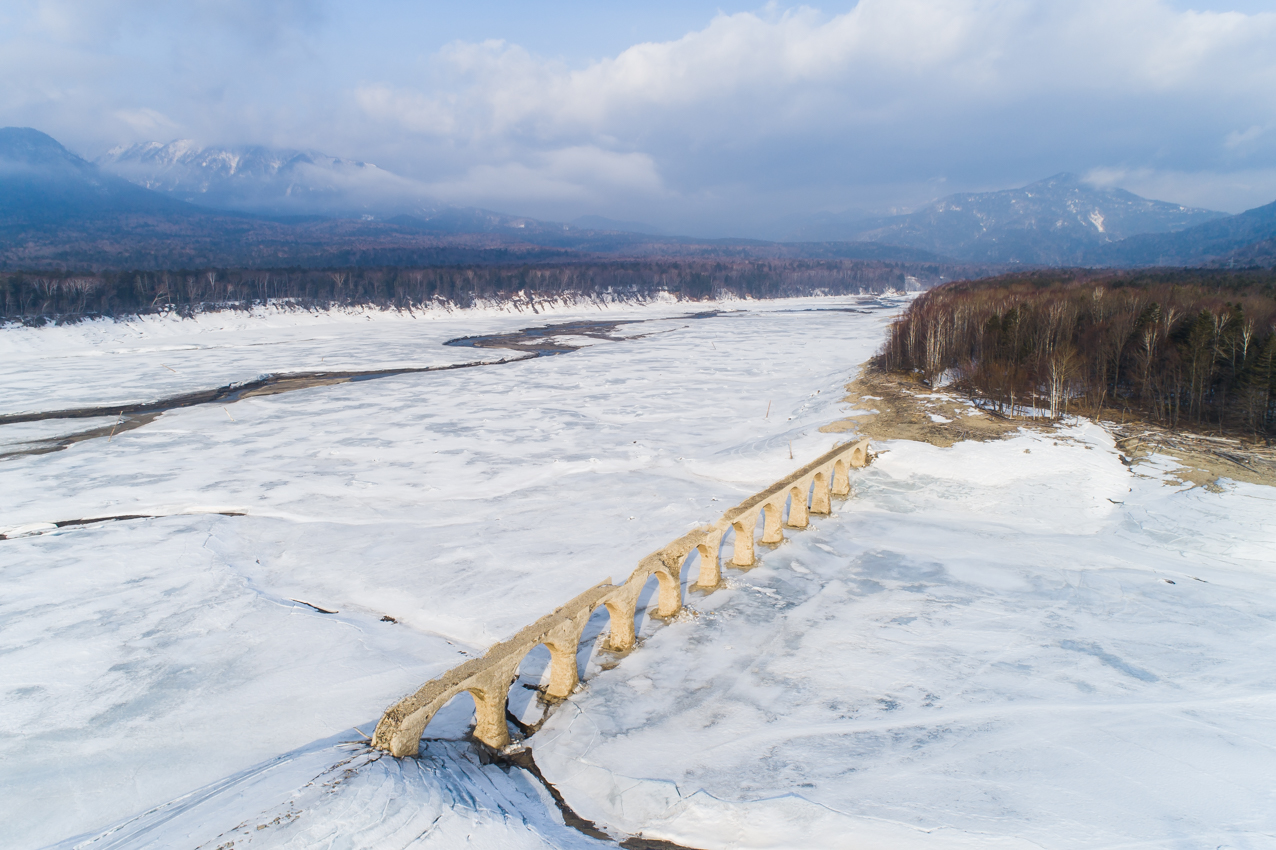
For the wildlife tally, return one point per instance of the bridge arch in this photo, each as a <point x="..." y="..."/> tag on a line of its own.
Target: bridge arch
<point x="841" y="478"/>
<point x="859" y="454"/>
<point x="797" y="505"/>
<point x="708" y="571"/>
<point x="773" y="513"/>
<point x="669" y="590"/>
<point x="488" y="718"/>
<point x="622" y="635"/>
<point x="653" y="591"/>
<point x="596" y="635"/>
<point x="453" y="719"/>
<point x="742" y="530"/>
<point x="563" y="677"/>
<point x="820" y="502"/>
<point x="547" y="672"/>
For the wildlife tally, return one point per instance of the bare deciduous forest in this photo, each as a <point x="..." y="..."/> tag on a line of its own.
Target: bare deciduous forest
<point x="37" y="297"/>
<point x="1182" y="347"/>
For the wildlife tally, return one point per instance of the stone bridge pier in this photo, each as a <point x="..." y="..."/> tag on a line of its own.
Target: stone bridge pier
<point x="786" y="504"/>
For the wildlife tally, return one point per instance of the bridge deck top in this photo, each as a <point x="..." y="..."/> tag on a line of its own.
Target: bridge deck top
<point x="764" y="496"/>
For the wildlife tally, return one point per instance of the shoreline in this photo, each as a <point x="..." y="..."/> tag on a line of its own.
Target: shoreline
<point x="890" y="406"/>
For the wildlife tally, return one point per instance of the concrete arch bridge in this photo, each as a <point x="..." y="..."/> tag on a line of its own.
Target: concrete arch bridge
<point x="807" y="491"/>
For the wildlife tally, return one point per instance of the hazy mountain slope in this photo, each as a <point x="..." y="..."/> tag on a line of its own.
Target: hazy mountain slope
<point x="826" y="226"/>
<point x="457" y="220"/>
<point x="265" y="180"/>
<point x="1256" y="254"/>
<point x="1052" y="222"/>
<point x="132" y="209"/>
<point x="44" y="184"/>
<point x="1236" y="239"/>
<point x="598" y="222"/>
<point x="59" y="211"/>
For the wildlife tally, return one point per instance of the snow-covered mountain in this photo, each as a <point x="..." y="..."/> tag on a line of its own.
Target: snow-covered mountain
<point x="42" y="184"/>
<point x="1056" y="221"/>
<point x="1246" y="239"/>
<point x="266" y="180"/>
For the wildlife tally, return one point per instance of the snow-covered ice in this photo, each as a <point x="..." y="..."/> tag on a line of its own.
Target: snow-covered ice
<point x="339" y="793"/>
<point x="462" y="504"/>
<point x="1007" y="644"/>
<point x="981" y="649"/>
<point x="104" y="362"/>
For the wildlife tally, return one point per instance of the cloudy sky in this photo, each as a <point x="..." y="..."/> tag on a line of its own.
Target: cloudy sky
<point x="699" y="117"/>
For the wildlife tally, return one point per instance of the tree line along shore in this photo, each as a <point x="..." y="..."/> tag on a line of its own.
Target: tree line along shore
<point x="38" y="297"/>
<point x="1180" y="347"/>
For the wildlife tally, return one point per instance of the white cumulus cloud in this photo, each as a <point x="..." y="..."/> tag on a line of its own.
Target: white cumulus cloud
<point x="753" y="117"/>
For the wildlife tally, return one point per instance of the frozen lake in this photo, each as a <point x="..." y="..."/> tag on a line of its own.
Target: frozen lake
<point x="983" y="648"/>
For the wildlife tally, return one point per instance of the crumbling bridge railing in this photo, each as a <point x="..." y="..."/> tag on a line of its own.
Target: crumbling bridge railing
<point x="488" y="678"/>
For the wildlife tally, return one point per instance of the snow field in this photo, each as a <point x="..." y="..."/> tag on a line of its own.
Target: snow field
<point x="337" y="793"/>
<point x="151" y="657"/>
<point x="980" y="649"/>
<point x="104" y="362"/>
<point x="1007" y="644"/>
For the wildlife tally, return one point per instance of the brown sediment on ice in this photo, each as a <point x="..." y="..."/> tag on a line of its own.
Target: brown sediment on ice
<point x="637" y="842"/>
<point x="899" y="407"/>
<point x="267" y="385"/>
<point x="531" y="342"/>
<point x="1204" y="458"/>
<point x="136" y="415"/>
<point x="54" y="444"/>
<point x="545" y="339"/>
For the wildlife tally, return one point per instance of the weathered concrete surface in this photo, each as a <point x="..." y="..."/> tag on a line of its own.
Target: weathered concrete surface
<point x="488" y="679"/>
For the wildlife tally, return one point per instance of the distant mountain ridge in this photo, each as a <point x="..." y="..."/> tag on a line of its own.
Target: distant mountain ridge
<point x="292" y="182"/>
<point x="1057" y="221"/>
<point x="266" y="180"/>
<point x="45" y="184"/>
<point x="58" y="210"/>
<point x="1243" y="240"/>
